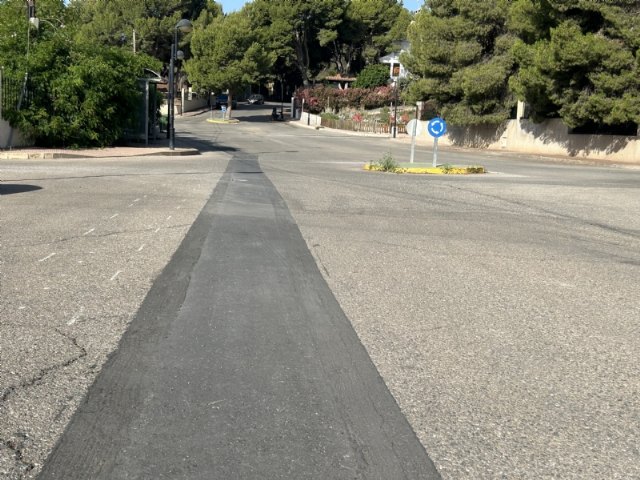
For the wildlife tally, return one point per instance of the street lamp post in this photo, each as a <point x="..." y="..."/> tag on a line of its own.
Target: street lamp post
<point x="184" y="26"/>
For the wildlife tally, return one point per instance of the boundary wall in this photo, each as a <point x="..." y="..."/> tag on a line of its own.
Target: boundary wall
<point x="551" y="138"/>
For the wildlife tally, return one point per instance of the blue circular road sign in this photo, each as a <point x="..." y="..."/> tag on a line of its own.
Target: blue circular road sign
<point x="437" y="127"/>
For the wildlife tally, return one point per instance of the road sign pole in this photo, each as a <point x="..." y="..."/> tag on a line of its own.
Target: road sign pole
<point x="436" y="128"/>
<point x="435" y="152"/>
<point x="413" y="141"/>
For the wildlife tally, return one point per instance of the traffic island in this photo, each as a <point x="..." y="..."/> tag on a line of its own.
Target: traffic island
<point x="231" y="121"/>
<point x="423" y="168"/>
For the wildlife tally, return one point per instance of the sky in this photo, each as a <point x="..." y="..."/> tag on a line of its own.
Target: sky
<point x="232" y="5"/>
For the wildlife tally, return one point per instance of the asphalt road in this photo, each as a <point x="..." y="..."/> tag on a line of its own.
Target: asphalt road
<point x="501" y="310"/>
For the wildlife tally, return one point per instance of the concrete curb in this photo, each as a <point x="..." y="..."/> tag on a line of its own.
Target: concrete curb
<point x="439" y="170"/>
<point x="18" y="155"/>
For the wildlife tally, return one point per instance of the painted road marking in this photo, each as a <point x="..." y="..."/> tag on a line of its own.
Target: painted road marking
<point x="115" y="275"/>
<point x="141" y="247"/>
<point x="47" y="257"/>
<point x="88" y="232"/>
<point x="113" y="216"/>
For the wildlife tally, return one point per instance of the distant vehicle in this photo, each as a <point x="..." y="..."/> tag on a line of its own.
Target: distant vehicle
<point x="256" y="99"/>
<point x="223" y="100"/>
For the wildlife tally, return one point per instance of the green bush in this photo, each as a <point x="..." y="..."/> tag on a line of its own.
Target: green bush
<point x="81" y="95"/>
<point x="372" y="76"/>
<point x="387" y="163"/>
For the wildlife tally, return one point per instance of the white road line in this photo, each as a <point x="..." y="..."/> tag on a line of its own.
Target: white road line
<point x="136" y="200"/>
<point x="115" y="275"/>
<point x="73" y="320"/>
<point x="169" y="217"/>
<point x="141" y="247"/>
<point x="47" y="257"/>
<point x="88" y="232"/>
<point x="157" y="230"/>
<point x="130" y="205"/>
<point x="506" y="175"/>
<point x="113" y="216"/>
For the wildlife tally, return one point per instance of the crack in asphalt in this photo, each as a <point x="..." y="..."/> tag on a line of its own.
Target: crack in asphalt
<point x="114" y="175"/>
<point x="104" y="235"/>
<point x="17" y="448"/>
<point x="46" y="371"/>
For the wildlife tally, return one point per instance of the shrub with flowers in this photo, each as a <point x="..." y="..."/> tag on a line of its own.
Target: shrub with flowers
<point x="320" y="98"/>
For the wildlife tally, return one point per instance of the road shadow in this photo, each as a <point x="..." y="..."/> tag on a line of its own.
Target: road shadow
<point x="188" y="140"/>
<point x="12" y="188"/>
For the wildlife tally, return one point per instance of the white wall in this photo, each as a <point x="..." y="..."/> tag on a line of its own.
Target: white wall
<point x="18" y="139"/>
<point x="548" y="138"/>
<point x="524" y="136"/>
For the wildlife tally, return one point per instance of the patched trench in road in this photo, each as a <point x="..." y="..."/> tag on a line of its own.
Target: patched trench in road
<point x="241" y="319"/>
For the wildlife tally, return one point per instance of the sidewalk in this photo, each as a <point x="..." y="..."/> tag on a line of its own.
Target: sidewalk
<point x="157" y="147"/>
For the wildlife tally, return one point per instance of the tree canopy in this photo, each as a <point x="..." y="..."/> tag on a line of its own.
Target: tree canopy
<point x="79" y="93"/>
<point x="226" y="55"/>
<point x="461" y="54"/>
<point x="579" y="60"/>
<point x="574" y="59"/>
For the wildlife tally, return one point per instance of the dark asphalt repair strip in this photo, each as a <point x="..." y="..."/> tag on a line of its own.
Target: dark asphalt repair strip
<point x="240" y="364"/>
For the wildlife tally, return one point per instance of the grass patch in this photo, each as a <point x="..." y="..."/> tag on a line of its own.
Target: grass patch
<point x="446" y="169"/>
<point x="386" y="164"/>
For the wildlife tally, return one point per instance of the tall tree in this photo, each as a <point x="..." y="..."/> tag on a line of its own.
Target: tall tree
<point x="579" y="60"/>
<point x="461" y="54"/>
<point x="113" y="22"/>
<point x="367" y="31"/>
<point x="292" y="30"/>
<point x="18" y="36"/>
<point x="78" y="94"/>
<point x="226" y="56"/>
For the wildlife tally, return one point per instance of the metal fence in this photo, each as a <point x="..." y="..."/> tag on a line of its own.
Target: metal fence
<point x="11" y="92"/>
<point x="362" y="126"/>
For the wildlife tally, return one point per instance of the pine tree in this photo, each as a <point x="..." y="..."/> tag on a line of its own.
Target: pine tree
<point x="461" y="55"/>
<point x="578" y="60"/>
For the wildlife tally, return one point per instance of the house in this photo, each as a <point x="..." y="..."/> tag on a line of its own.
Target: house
<point x="396" y="69"/>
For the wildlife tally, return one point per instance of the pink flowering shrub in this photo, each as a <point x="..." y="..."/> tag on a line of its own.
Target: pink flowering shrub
<point x="320" y="98"/>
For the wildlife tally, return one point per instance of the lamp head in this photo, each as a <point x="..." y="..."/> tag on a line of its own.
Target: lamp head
<point x="184" y="25"/>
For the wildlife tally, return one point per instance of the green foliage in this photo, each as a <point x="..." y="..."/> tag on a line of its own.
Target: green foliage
<point x="368" y="30"/>
<point x="461" y="56"/>
<point x="84" y="101"/>
<point x="584" y="68"/>
<point x="226" y="56"/>
<point x="295" y="32"/>
<point x="385" y="115"/>
<point x="80" y="94"/>
<point x="387" y="163"/>
<point x="372" y="76"/>
<point x="113" y="22"/>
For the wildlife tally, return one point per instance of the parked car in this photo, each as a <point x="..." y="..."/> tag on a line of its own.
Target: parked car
<point x="256" y="99"/>
<point x="223" y="100"/>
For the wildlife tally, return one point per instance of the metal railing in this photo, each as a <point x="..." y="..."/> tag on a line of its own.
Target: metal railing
<point x="364" y="126"/>
<point x="11" y="91"/>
